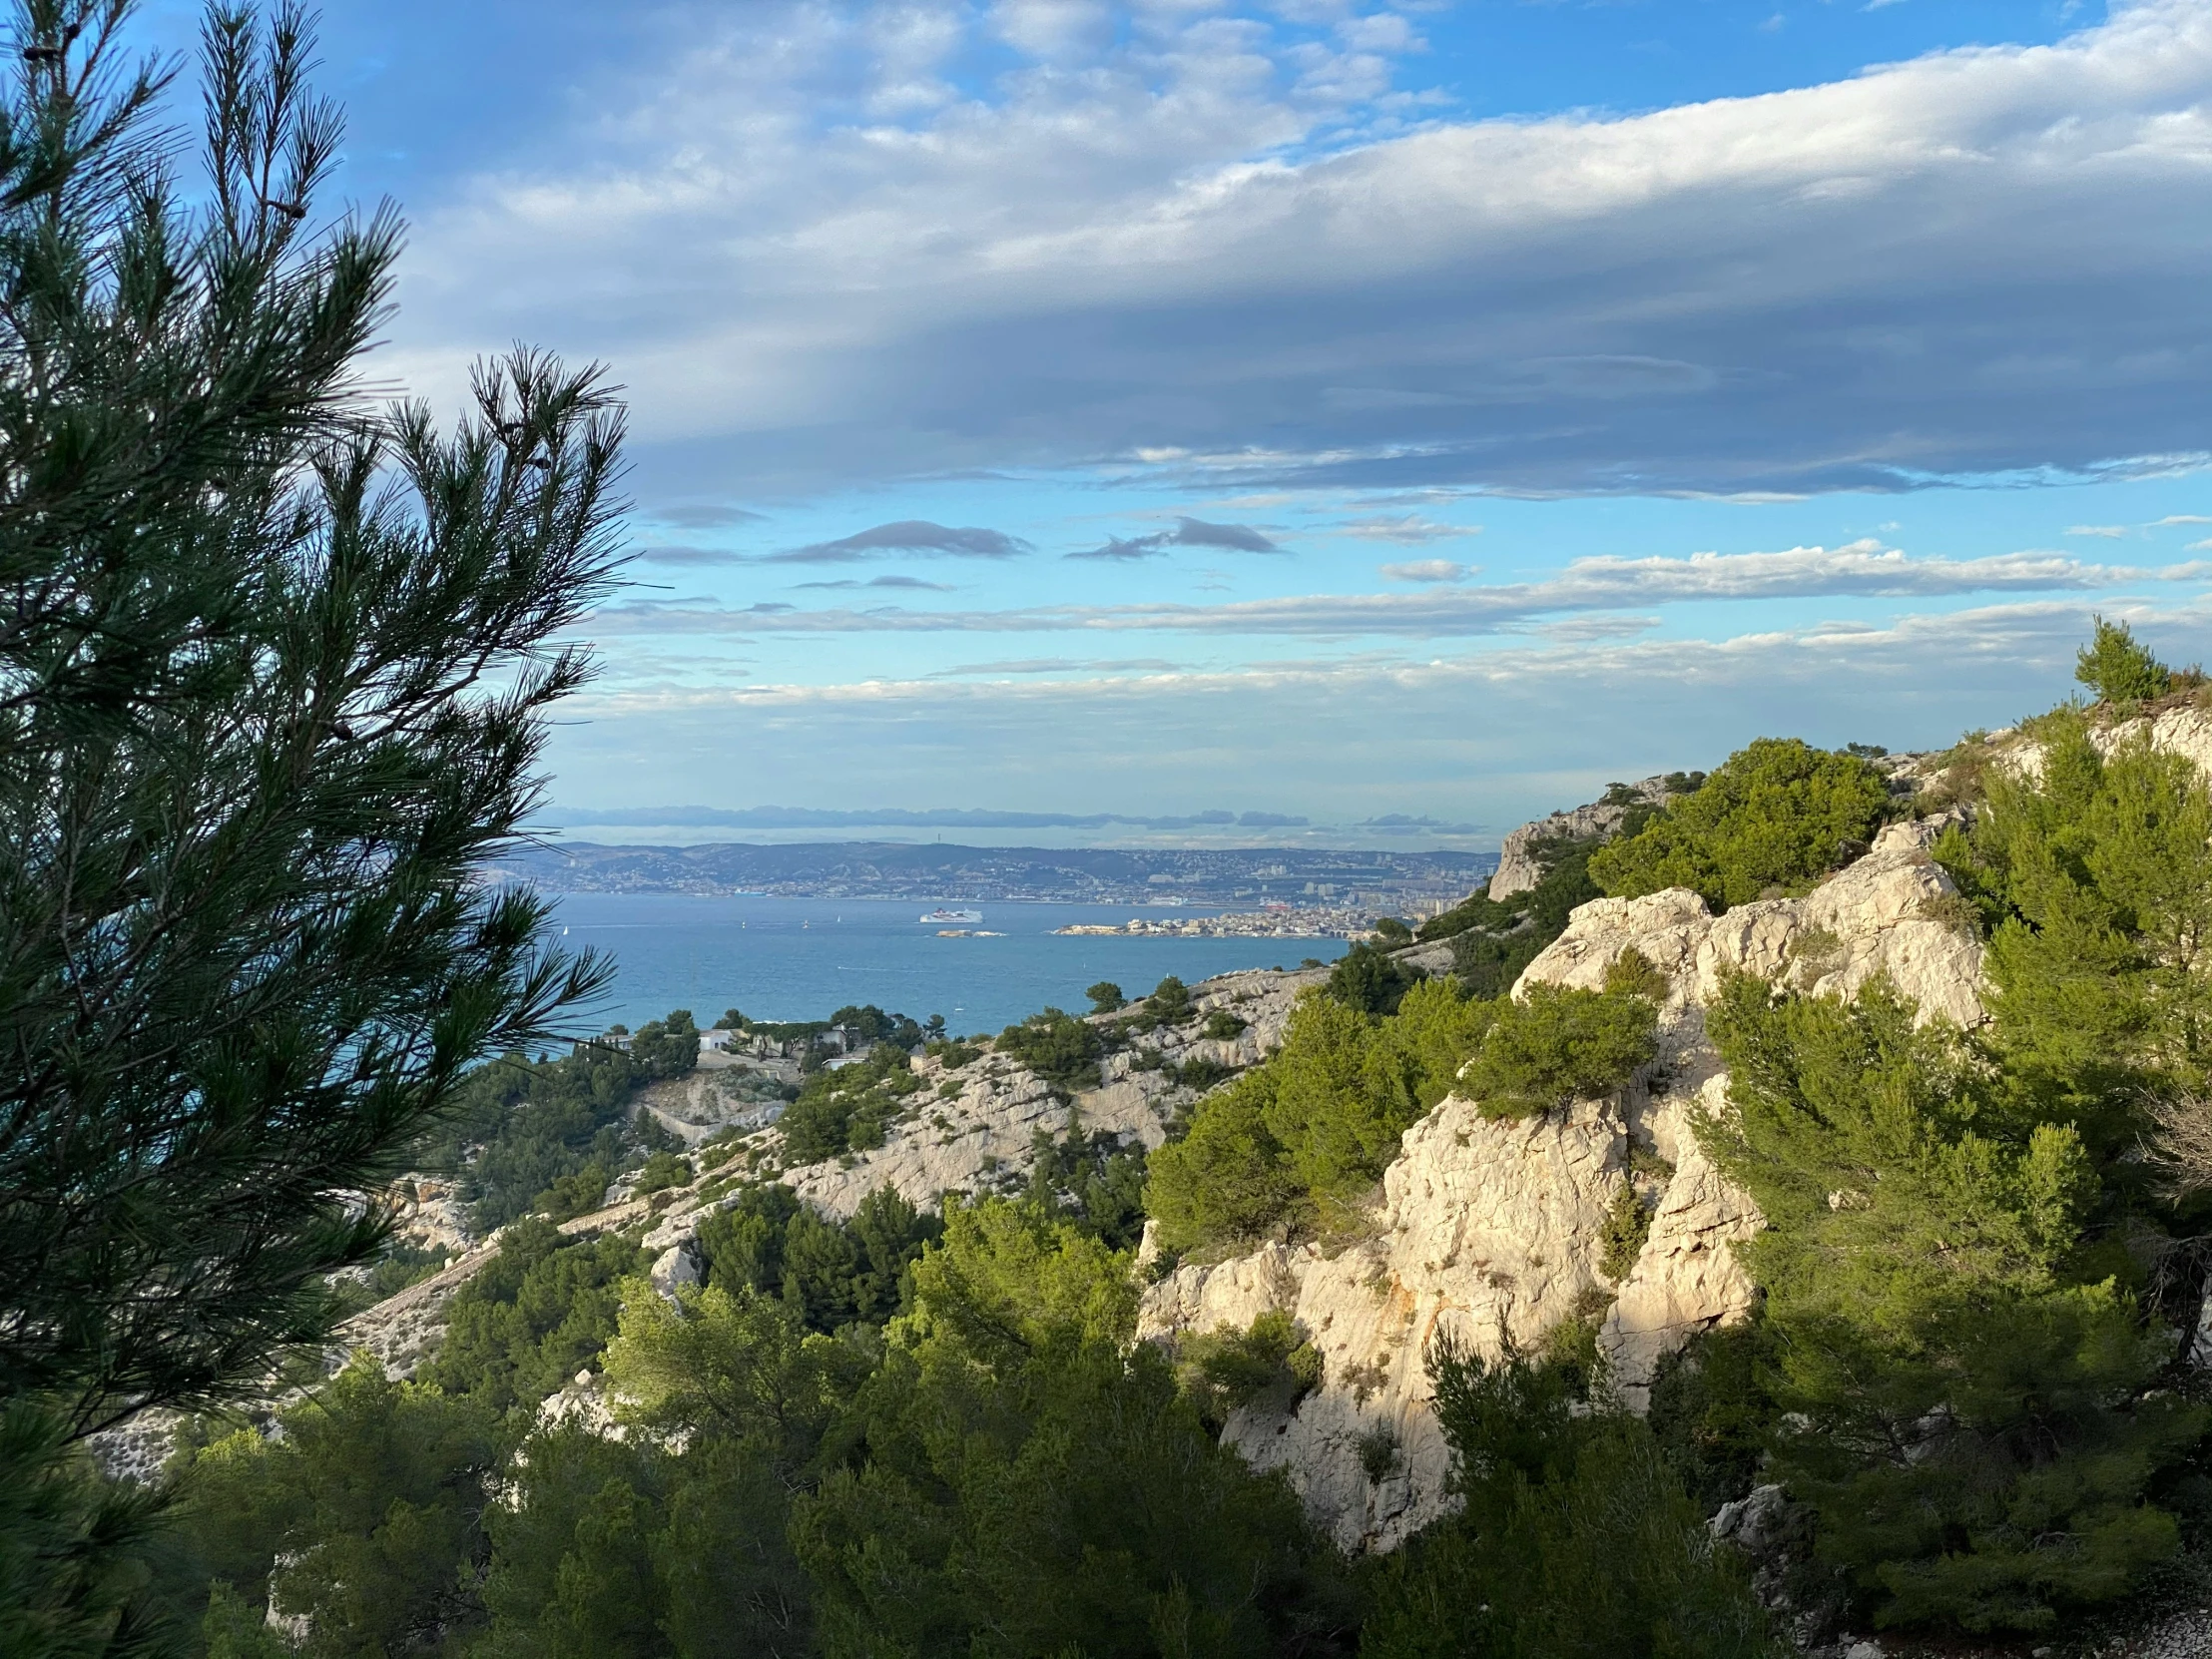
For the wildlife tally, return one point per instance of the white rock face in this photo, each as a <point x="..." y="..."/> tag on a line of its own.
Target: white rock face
<point x="1517" y="870"/>
<point x="674" y="1268"/>
<point x="1489" y="1229"/>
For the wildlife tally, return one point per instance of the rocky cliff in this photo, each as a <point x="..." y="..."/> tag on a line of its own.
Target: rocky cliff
<point x="1518" y="868"/>
<point x="1489" y="1231"/>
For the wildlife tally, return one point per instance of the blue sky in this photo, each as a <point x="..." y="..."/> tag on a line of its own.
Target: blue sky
<point x="1329" y="410"/>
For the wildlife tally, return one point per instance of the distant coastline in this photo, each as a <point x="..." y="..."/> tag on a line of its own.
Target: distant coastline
<point x="942" y="873"/>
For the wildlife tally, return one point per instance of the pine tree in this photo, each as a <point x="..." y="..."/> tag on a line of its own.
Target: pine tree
<point x="1968" y="1388"/>
<point x="275" y="667"/>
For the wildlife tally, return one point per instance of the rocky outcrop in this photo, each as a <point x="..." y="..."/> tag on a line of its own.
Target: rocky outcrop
<point x="971" y="1129"/>
<point x="1489" y="1231"/>
<point x="1517" y="866"/>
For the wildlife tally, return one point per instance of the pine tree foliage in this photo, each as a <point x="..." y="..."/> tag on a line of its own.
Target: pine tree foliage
<point x="275" y="667"/>
<point x="2119" y="668"/>
<point x="1576" y="1538"/>
<point x="1967" y="1388"/>
<point x="2094" y="878"/>
<point x="1776" y="819"/>
<point x="272" y="685"/>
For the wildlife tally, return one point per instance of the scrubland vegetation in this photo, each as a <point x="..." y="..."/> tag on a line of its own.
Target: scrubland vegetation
<point x="253" y="974"/>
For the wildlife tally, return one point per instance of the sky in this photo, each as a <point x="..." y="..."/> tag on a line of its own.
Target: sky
<point x="1326" y="420"/>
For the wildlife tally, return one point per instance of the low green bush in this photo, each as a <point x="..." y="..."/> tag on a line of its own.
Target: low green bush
<point x="1621" y="1238"/>
<point x="830" y="1273"/>
<point x="661" y="1171"/>
<point x="1576" y="1538"/>
<point x="1371" y="980"/>
<point x="1094" y="1180"/>
<point x="1057" y="1047"/>
<point x="849" y="1109"/>
<point x="1559" y="1044"/>
<point x="540" y="1310"/>
<point x="1294" y="1142"/>
<point x="1268" y="1367"/>
<point x="1776" y="819"/>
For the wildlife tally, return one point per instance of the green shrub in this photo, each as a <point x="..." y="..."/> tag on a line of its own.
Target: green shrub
<point x="1713" y="1409"/>
<point x="1392" y="931"/>
<point x="2118" y="669"/>
<point x="1632" y="974"/>
<point x="1036" y="1484"/>
<point x="1778" y="818"/>
<point x="1200" y="1073"/>
<point x="1338" y="1104"/>
<point x="1370" y="981"/>
<point x="540" y="1310"/>
<point x="2095" y="884"/>
<point x="954" y="1055"/>
<point x="1169" y="1004"/>
<point x="521" y="1124"/>
<point x="662" y="1171"/>
<point x="1058" y="1048"/>
<point x="1379" y="1450"/>
<point x="1491" y="943"/>
<point x="1289" y="1145"/>
<point x="1094" y="1180"/>
<point x="1965" y="1385"/>
<point x="1229" y="1178"/>
<point x="666" y="1048"/>
<point x="849" y="1109"/>
<point x="1559" y="1044"/>
<point x="830" y="1273"/>
<point x="362" y="1517"/>
<point x="1268" y="1367"/>
<point x="1221" y="1025"/>
<point x="1106" y="997"/>
<point x="575" y="1195"/>
<point x="1627" y="1225"/>
<point x="1576" y="1538"/>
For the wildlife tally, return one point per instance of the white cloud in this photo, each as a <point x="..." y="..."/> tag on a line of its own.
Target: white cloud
<point x="1411" y="529"/>
<point x="1862" y="568"/>
<point x="2180" y="518"/>
<point x="1343" y="739"/>
<point x="1172" y="237"/>
<point x="1426" y="570"/>
<point x="2110" y="532"/>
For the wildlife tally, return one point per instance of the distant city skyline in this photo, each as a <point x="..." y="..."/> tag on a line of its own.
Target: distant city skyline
<point x="1323" y="409"/>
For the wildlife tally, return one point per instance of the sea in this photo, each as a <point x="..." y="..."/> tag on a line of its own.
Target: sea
<point x="774" y="958"/>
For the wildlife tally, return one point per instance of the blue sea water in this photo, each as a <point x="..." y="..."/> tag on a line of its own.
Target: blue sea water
<point x="801" y="958"/>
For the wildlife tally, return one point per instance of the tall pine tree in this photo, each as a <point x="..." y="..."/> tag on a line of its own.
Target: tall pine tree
<point x="275" y="670"/>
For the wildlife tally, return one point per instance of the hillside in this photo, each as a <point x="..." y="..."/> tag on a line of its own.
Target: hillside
<point x="1796" y="1228"/>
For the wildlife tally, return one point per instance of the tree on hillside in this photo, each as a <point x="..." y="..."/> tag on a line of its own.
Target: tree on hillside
<point x="275" y="670"/>
<point x="1775" y="820"/>
<point x="2119" y="668"/>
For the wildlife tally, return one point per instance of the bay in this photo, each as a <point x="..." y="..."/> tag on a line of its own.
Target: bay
<point x="777" y="959"/>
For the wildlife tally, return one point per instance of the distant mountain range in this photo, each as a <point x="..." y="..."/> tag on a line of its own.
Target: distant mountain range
<point x="940" y="872"/>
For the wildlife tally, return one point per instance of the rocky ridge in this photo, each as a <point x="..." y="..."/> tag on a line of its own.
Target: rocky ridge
<point x="1517" y="866"/>
<point x="1489" y="1231"/>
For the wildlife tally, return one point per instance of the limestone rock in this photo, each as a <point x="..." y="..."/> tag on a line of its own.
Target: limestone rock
<point x="980" y="1140"/>
<point x="1517" y="870"/>
<point x="675" y="1267"/>
<point x="1491" y="1228"/>
<point x="1487" y="1230"/>
<point x="1878" y="916"/>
